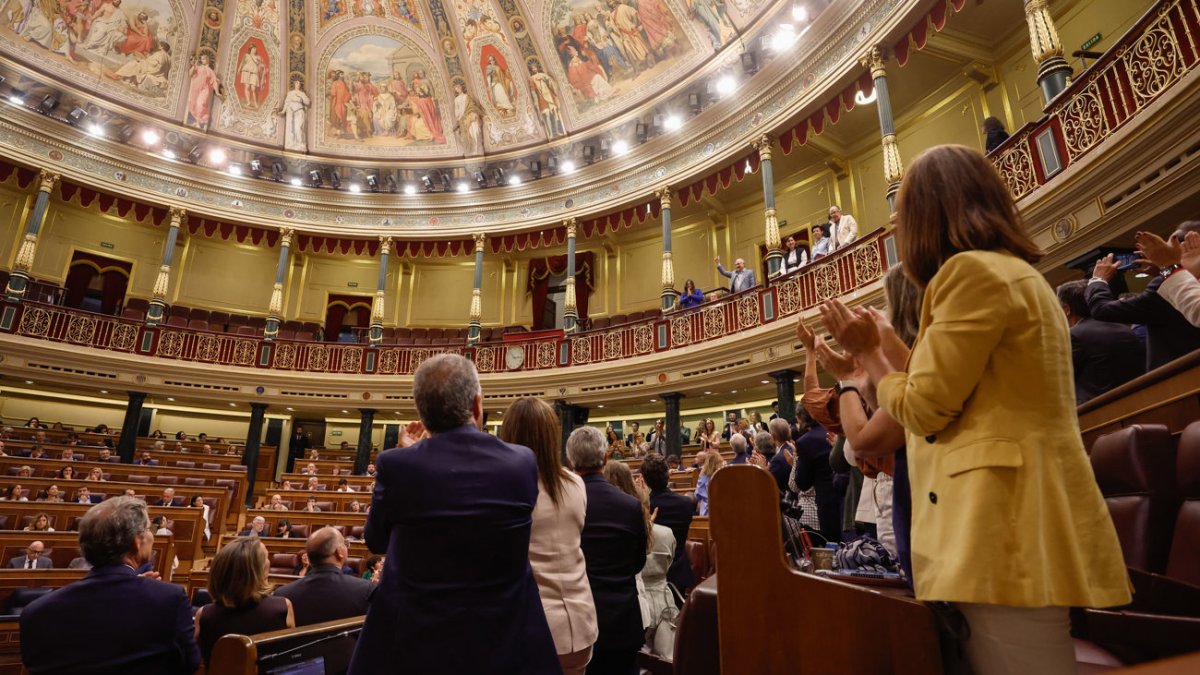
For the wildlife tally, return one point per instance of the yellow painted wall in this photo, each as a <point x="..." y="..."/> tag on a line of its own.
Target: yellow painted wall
<point x="70" y="228"/>
<point x="349" y="433"/>
<point x="13" y="205"/>
<point x="325" y="275"/>
<point x="196" y="422"/>
<point x="16" y="408"/>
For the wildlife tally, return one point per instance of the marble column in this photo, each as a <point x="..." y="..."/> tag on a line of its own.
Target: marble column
<point x="158" y="301"/>
<point x="253" y="445"/>
<point x="475" y="313"/>
<point x="363" y="458"/>
<point x="671" y="424"/>
<point x="893" y="169"/>
<point x="669" y="296"/>
<point x="771" y="223"/>
<point x="385" y="251"/>
<point x="785" y="393"/>
<point x="275" y="307"/>
<point x="18" y="281"/>
<point x="1053" y="69"/>
<point x="570" y="301"/>
<point x="127" y="444"/>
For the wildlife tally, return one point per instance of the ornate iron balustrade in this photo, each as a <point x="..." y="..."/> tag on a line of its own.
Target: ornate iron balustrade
<point x="848" y="270"/>
<point x="1148" y="61"/>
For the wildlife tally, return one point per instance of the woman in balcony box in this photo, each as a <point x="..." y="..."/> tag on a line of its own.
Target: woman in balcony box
<point x="1008" y="523"/>
<point x="794" y="256"/>
<point x="690" y="297"/>
<point x="824" y="244"/>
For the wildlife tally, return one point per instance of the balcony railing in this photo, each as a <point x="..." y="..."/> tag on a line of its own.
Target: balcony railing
<point x="1145" y="64"/>
<point x="848" y="270"/>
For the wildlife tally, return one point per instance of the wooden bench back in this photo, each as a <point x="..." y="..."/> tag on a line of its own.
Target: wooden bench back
<point x="188" y="522"/>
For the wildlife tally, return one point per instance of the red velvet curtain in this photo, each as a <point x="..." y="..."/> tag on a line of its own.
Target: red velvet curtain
<point x="346" y="310"/>
<point x="81" y="278"/>
<point x="540" y="271"/>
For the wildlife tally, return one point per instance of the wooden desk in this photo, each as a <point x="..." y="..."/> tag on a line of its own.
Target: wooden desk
<point x="189" y="522"/>
<point x="62" y="548"/>
<point x="299" y="499"/>
<point x="240" y="654"/>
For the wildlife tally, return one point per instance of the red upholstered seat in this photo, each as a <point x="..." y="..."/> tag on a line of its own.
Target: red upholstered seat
<point x="697" y="554"/>
<point x="1183" y="562"/>
<point x="1135" y="470"/>
<point x="283" y="563"/>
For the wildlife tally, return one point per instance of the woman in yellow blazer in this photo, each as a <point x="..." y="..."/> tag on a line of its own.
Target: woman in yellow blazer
<point x="1007" y="522"/>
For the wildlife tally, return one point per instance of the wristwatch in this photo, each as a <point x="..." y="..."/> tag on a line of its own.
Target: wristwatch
<point x="844" y="386"/>
<point x="1169" y="270"/>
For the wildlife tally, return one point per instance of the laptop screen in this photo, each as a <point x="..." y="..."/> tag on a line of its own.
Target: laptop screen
<point x="307" y="667"/>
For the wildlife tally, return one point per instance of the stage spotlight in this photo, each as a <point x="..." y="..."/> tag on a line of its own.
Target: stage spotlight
<point x="16" y="97"/>
<point x="235" y="169"/>
<point x="169" y="152"/>
<point x="373" y="182"/>
<point x="48" y="104"/>
<point x="217" y="156"/>
<point x="589" y="153"/>
<point x="498" y="174"/>
<point x="535" y="169"/>
<point x="390" y="181"/>
<point x="620" y="148"/>
<point x="277" y="171"/>
<point x="296" y="182"/>
<point x="76" y="116"/>
<point x="479" y="178"/>
<point x="335" y="181"/>
<point x="568" y="166"/>
<point x="694" y="103"/>
<point x="256" y="167"/>
<point x="410" y="189"/>
<point x="672" y="122"/>
<point x="640" y="131"/>
<point x="355" y="188"/>
<point x="427" y="182"/>
<point x="799" y="12"/>
<point x="726" y="85"/>
<point x="445" y="181"/>
<point x="749" y="63"/>
<point x="95" y="129"/>
<point x="151" y="137"/>
<point x="463" y="187"/>
<point x="314" y="177"/>
<point x="514" y="179"/>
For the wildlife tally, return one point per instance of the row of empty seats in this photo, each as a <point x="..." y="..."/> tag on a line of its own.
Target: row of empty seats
<point x="603" y="322"/>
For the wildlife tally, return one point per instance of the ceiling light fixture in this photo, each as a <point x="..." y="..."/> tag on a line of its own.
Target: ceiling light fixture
<point x="170" y="398"/>
<point x="28" y="381"/>
<point x="784" y="38"/>
<point x="514" y="180"/>
<point x="799" y="12"/>
<point x="567" y="166"/>
<point x="168" y="153"/>
<point x="16" y="97"/>
<point x="355" y="188"/>
<point x="428" y="183"/>
<point x="151" y="137"/>
<point x="48" y="104"/>
<point x="726" y="85"/>
<point x="314" y="177"/>
<point x="463" y="187"/>
<point x="217" y="156"/>
<point x="866" y="99"/>
<point x="672" y="122"/>
<point x="373" y="182"/>
<point x="620" y="148"/>
<point x="296" y="182"/>
<point x="95" y="129"/>
<point x="235" y="169"/>
<point x="76" y="115"/>
<point x="410" y="189"/>
<point x="103" y="391"/>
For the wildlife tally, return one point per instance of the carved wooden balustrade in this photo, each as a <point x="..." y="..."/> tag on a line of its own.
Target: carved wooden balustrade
<point x="846" y="271"/>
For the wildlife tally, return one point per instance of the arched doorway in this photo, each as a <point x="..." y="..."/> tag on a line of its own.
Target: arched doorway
<point x="347" y="318"/>
<point x="96" y="283"/>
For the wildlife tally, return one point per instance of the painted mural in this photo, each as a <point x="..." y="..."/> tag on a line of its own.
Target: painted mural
<point x="133" y="50"/>
<point x="252" y="71"/>
<point x="380" y="94"/>
<point x="611" y="52"/>
<point x="403" y="11"/>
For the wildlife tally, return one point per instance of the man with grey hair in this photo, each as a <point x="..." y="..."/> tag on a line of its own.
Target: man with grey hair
<point x="614" y="548"/>
<point x="740" y="446"/>
<point x="782" y="451"/>
<point x="452" y="509"/>
<point x="158" y="638"/>
<point x="740" y="279"/>
<point x="325" y="593"/>
<point x="255" y="528"/>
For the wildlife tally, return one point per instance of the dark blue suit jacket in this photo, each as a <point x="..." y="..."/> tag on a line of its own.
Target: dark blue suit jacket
<point x="676" y="511"/>
<point x="453" y="514"/>
<point x="614" y="548"/>
<point x="111" y="621"/>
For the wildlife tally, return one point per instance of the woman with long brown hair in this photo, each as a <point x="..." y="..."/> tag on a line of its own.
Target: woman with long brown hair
<point x="242" y="601"/>
<point x="1008" y="522"/>
<point x="554" y="552"/>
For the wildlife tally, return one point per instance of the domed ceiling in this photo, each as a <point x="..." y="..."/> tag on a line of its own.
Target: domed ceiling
<point x="375" y="79"/>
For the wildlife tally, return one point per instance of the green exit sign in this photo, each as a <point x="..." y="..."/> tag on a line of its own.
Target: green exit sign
<point x="352" y="284"/>
<point x="1092" y="41"/>
<point x="335" y="432"/>
<point x="107" y="244"/>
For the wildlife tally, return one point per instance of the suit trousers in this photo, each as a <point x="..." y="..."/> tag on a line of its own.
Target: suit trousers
<point x="1018" y="640"/>
<point x="575" y="663"/>
<point x="613" y="662"/>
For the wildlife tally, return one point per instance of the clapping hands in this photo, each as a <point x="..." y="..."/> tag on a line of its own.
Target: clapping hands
<point x="855" y="330"/>
<point x="412" y="434"/>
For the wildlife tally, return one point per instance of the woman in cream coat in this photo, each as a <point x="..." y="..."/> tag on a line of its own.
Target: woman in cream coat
<point x="554" y="552"/>
<point x="1008" y="522"/>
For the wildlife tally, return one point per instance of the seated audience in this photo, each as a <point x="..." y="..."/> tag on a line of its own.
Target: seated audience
<point x="276" y="503"/>
<point x="635" y="437"/>
<point x="712" y="462"/>
<point x="156" y="639"/>
<point x="24" y="471"/>
<point x="373" y="568"/>
<point x="302" y="569"/>
<point x="40" y="523"/>
<point x="107" y="456"/>
<point x="309" y="469"/>
<point x="240" y="590"/>
<point x="16" y="493"/>
<point x="690" y="297"/>
<point x="1104" y="355"/>
<point x="283" y="529"/>
<point x="424" y="509"/>
<point x="84" y="496"/>
<point x="325" y="594"/>
<point x="371" y="470"/>
<point x="344" y="486"/>
<point x="255" y="528"/>
<point x="654" y="595"/>
<point x="311" y="505"/>
<point x="38" y="452"/>
<point x="68" y="455"/>
<point x="198" y="503"/>
<point x="66" y="473"/>
<point x="34" y="423"/>
<point x="52" y="494"/>
<point x="33" y="558"/>
<point x="96" y="475"/>
<point x="2" y="452"/>
<point x="356" y="506"/>
<point x="1169" y="334"/>
<point x="157" y="434"/>
<point x="554" y="540"/>
<point x="812" y="470"/>
<point x="614" y="543"/>
<point x="146" y="459"/>
<point x="80" y="563"/>
<point x="313" y="484"/>
<point x="674" y="511"/>
<point x="673" y="463"/>
<point x="1181" y="266"/>
<point x="167" y="498"/>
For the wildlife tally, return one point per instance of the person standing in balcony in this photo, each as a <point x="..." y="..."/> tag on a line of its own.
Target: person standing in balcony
<point x="824" y="243"/>
<point x="842" y="228"/>
<point x="794" y="257"/>
<point x="690" y="297"/>
<point x="994" y="134"/>
<point x="740" y="279"/>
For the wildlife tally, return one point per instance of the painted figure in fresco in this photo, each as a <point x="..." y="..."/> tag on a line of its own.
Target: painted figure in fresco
<point x="586" y="77"/>
<point x="427" y="107"/>
<point x="139" y="37"/>
<point x="468" y="122"/>
<point x="331" y="9"/>
<point x="629" y="32"/>
<point x="365" y="92"/>
<point x="295" y="117"/>
<point x="107" y="30"/>
<point x="500" y="87"/>
<point x="712" y="14"/>
<point x="600" y="36"/>
<point x="656" y="23"/>
<point x="15" y="13"/>
<point x="252" y="75"/>
<point x="148" y="73"/>
<point x="402" y="9"/>
<point x="546" y="94"/>
<point x="339" y="99"/>
<point x="384" y="112"/>
<point x="203" y="85"/>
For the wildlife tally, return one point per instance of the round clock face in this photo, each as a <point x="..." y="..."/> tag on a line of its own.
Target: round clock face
<point x="514" y="358"/>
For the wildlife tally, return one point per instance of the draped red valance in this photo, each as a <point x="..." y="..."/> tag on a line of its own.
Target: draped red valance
<point x="540" y="270"/>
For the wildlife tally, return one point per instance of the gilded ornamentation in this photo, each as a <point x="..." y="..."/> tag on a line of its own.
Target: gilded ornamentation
<point x="275" y="307"/>
<point x="763" y="145"/>
<point x="681" y="331"/>
<point x="664" y="196"/>
<point x="377" y="308"/>
<point x="1154" y="61"/>
<point x="545" y="355"/>
<point x="80" y="329"/>
<point x="124" y="337"/>
<point x="747" y="311"/>
<point x="318" y="357"/>
<point x="875" y="61"/>
<point x="893" y="168"/>
<point x="612" y="345"/>
<point x="1083" y="121"/>
<point x="475" y="314"/>
<point x="244" y="352"/>
<point x="35" y="322"/>
<point x="571" y="225"/>
<point x="419" y="356"/>
<point x="389" y="360"/>
<point x="1016" y="165"/>
<point x="714" y="322"/>
<point x="789" y="296"/>
<point x="285" y="355"/>
<point x="385" y="246"/>
<point x="643" y="339"/>
<point x="867" y="266"/>
<point x="570" y="301"/>
<point x="352" y="359"/>
<point x="26" y="253"/>
<point x="285" y="236"/>
<point x="485" y="359"/>
<point x="480" y="241"/>
<point x="162" y="282"/>
<point x="668" y="271"/>
<point x="47" y="180"/>
<point x="208" y="349"/>
<point x="772" y="230"/>
<point x="581" y="350"/>
<point x="1043" y="37"/>
<point x="828" y="283"/>
<point x="170" y="344"/>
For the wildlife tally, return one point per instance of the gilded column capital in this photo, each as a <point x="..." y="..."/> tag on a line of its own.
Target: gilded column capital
<point x="876" y="61"/>
<point x="572" y="226"/>
<point x="377" y="308"/>
<point x="177" y="216"/>
<point x="47" y="180"/>
<point x="664" y="196"/>
<point x="385" y="246"/>
<point x="1043" y="36"/>
<point x="480" y="240"/>
<point x="668" y="271"/>
<point x="285" y="236"/>
<point x="763" y="144"/>
<point x="893" y="169"/>
<point x="475" y="313"/>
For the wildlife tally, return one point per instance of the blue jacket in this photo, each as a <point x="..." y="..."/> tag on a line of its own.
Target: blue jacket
<point x="453" y="514"/>
<point x="111" y="621"/>
<point x="691" y="299"/>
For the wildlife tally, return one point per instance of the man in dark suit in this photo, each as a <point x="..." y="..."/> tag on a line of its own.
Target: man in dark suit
<point x="297" y="446"/>
<point x="1105" y="355"/>
<point x="33" y="559"/>
<point x="1169" y="335"/>
<point x="674" y="511"/>
<point x="614" y="548"/>
<point x="157" y="638"/>
<point x="167" y="499"/>
<point x="453" y="513"/>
